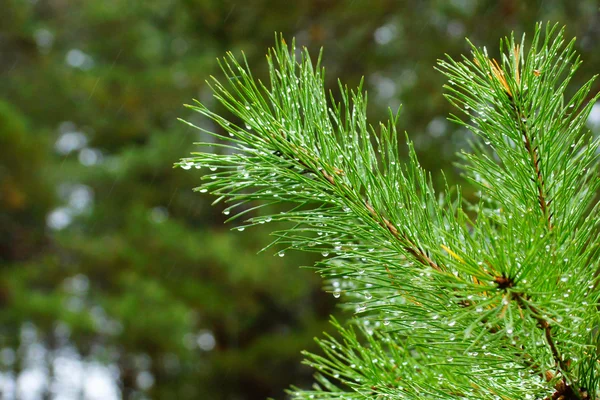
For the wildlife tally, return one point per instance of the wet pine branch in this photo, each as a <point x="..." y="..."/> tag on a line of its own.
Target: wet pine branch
<point x="500" y="304"/>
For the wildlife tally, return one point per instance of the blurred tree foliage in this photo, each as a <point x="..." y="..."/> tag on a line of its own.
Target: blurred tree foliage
<point x="103" y="247"/>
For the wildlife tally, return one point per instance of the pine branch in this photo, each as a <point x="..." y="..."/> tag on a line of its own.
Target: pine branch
<point x="502" y="305"/>
<point x="510" y="91"/>
<point x="409" y="246"/>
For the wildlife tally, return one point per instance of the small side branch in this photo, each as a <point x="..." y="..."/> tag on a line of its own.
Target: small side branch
<point x="539" y="179"/>
<point x="409" y="246"/>
<point x="532" y="150"/>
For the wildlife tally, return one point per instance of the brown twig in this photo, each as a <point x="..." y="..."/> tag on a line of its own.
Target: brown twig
<point x="563" y="390"/>
<point x="410" y="246"/>
<point x="539" y="179"/>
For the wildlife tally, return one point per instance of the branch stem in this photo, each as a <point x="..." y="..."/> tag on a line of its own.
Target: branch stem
<point x="534" y="156"/>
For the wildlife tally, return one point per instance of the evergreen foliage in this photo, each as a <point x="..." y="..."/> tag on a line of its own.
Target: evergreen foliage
<point x="495" y="298"/>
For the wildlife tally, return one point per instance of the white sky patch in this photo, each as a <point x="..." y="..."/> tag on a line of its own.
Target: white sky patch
<point x="437" y="127"/>
<point x="206" y="340"/>
<point x="73" y="380"/>
<point x="385" y="34"/>
<point x="594" y="118"/>
<point x="8" y="386"/>
<point x="31" y="384"/>
<point x="99" y="383"/>
<point x="59" y="218"/>
<point x="70" y="141"/>
<point x="144" y="380"/>
<point x="89" y="157"/>
<point x="78" y="59"/>
<point x="81" y="198"/>
<point x="385" y="87"/>
<point x="44" y="39"/>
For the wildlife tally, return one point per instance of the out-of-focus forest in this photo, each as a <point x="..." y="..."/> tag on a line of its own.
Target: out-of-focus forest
<point x="116" y="280"/>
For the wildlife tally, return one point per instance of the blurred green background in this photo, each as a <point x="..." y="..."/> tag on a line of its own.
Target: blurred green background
<point x="116" y="281"/>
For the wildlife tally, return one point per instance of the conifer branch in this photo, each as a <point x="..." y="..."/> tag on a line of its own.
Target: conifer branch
<point x="409" y="246"/>
<point x="499" y="305"/>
